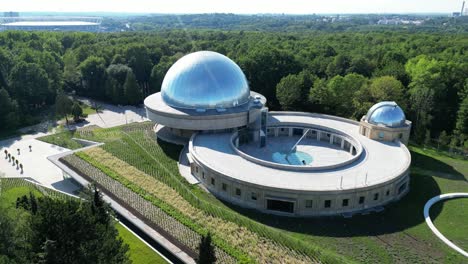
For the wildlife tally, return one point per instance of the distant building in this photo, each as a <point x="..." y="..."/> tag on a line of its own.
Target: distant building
<point x="51" y="23"/>
<point x="10" y="14"/>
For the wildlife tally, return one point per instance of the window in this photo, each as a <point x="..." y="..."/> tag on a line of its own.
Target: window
<point x="376" y="196"/>
<point x="400" y="136"/>
<point x="224" y="186"/>
<point x="402" y="188"/>
<point x="282" y="129"/>
<point x="238" y="192"/>
<point x="381" y="134"/>
<point x="327" y="203"/>
<point x="203" y="175"/>
<point x="254" y="196"/>
<point x="212" y="181"/>
<point x="196" y="169"/>
<point x="387" y="193"/>
<point x="308" y="204"/>
<point x="279" y="205"/>
<point x="362" y="199"/>
<point x="345" y="202"/>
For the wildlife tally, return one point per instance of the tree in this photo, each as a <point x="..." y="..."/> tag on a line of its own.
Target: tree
<point x="63" y="105"/>
<point x="361" y="65"/>
<point x="116" y="76"/>
<point x="427" y="138"/>
<point x="76" y="111"/>
<point x="9" y="114"/>
<point x="133" y="93"/>
<point x="67" y="231"/>
<point x="461" y="126"/>
<point x="291" y="89"/>
<point x="387" y="88"/>
<point x="264" y="67"/>
<point x="206" y="254"/>
<point x="137" y="56"/>
<point x="444" y="139"/>
<point x="336" y="95"/>
<point x="93" y="75"/>
<point x="30" y="85"/>
<point x="338" y="66"/>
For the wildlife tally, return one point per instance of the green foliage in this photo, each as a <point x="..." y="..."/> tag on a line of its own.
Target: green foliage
<point x="206" y="251"/>
<point x="9" y="112"/>
<point x="462" y="118"/>
<point x="62" y="139"/>
<point x="76" y="111"/>
<point x="291" y="88"/>
<point x="431" y="67"/>
<point x="132" y="92"/>
<point x="55" y="228"/>
<point x="63" y="105"/>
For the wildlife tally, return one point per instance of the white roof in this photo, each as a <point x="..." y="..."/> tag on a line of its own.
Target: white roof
<point x="49" y="23"/>
<point x="379" y="162"/>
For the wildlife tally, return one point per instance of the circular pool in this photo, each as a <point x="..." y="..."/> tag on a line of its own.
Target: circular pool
<point x="292" y="158"/>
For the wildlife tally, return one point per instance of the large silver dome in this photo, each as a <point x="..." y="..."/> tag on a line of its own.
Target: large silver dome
<point x="206" y="80"/>
<point x="386" y="113"/>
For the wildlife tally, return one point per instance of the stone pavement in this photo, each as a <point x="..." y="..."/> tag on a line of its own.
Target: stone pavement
<point x="35" y="163"/>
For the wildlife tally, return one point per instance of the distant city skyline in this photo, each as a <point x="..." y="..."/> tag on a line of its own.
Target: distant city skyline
<point x="238" y="7"/>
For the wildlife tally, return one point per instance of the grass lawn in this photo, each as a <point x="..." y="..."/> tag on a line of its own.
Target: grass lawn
<point x="397" y="235"/>
<point x="139" y="252"/>
<point x="63" y="139"/>
<point x="8" y="197"/>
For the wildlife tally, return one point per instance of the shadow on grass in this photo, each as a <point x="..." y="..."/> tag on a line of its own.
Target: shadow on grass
<point x="424" y="162"/>
<point x="397" y="216"/>
<point x="171" y="150"/>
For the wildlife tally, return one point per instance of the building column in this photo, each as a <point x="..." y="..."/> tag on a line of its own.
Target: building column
<point x="237" y="142"/>
<point x="331" y="138"/>
<point x="290" y="132"/>
<point x="276" y="131"/>
<point x="351" y="149"/>
<point x="342" y="143"/>
<point x="318" y="135"/>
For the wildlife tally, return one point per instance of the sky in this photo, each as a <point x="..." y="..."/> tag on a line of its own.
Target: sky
<point x="235" y="6"/>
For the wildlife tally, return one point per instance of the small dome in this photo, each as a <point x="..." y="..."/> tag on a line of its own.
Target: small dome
<point x="386" y="113"/>
<point x="205" y="80"/>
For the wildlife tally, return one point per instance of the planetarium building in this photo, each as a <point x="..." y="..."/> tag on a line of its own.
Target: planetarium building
<point x="288" y="163"/>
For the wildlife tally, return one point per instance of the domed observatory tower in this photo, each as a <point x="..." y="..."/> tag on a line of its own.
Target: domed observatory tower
<point x="385" y="121"/>
<point x="203" y="91"/>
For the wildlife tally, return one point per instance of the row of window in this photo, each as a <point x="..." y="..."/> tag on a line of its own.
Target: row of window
<point x="308" y="203"/>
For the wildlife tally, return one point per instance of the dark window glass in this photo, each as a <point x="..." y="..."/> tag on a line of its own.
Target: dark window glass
<point x="361" y="199"/>
<point x="345" y="202"/>
<point x="327" y="203"/>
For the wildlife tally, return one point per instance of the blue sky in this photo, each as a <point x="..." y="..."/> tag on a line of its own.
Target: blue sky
<point x="235" y="6"/>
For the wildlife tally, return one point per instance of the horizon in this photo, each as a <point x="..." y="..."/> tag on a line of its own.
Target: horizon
<point x="183" y="7"/>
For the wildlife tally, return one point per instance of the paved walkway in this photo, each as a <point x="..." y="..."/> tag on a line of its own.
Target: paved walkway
<point x="112" y="115"/>
<point x="184" y="166"/>
<point x="35" y="163"/>
<point x="427" y="207"/>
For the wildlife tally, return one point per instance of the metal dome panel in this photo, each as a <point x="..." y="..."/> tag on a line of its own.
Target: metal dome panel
<point x="386" y="113"/>
<point x="205" y="80"/>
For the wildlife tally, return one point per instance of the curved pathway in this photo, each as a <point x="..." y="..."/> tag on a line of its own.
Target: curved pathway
<point x="428" y="205"/>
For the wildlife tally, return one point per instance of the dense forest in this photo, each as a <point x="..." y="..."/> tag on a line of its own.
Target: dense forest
<point x="341" y="73"/>
<point x="287" y="23"/>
